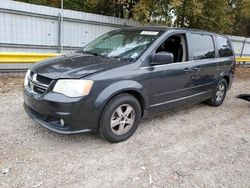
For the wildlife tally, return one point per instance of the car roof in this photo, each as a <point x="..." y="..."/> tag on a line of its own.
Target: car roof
<point x="162" y="28"/>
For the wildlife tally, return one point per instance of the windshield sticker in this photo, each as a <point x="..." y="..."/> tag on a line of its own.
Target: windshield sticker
<point x="149" y="33"/>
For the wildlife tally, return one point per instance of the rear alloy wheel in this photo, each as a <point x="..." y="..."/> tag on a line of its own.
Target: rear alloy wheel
<point x="219" y="94"/>
<point x="120" y="118"/>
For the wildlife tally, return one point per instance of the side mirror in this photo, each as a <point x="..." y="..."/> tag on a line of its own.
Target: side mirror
<point x="162" y="58"/>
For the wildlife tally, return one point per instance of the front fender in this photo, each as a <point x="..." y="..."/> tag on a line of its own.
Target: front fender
<point x="118" y="87"/>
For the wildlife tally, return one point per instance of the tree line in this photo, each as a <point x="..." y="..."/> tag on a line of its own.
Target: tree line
<point x="221" y="16"/>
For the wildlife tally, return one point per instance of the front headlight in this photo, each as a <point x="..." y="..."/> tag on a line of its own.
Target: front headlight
<point x="73" y="88"/>
<point x="25" y="83"/>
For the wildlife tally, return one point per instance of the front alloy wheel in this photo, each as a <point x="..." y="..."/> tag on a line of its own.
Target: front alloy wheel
<point x="120" y="118"/>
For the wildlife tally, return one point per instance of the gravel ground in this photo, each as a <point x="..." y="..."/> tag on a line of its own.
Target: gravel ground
<point x="198" y="146"/>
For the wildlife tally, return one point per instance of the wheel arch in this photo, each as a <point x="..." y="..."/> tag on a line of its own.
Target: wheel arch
<point x="130" y="87"/>
<point x="226" y="77"/>
<point x="135" y="94"/>
<point x="132" y="92"/>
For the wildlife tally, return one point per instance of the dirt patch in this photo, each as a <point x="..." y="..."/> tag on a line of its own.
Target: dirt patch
<point x="243" y="72"/>
<point x="198" y="146"/>
<point x="8" y="84"/>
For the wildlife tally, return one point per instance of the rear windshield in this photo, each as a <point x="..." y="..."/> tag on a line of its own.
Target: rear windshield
<point x="125" y="45"/>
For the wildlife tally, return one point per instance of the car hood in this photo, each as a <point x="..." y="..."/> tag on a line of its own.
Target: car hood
<point x="74" y="65"/>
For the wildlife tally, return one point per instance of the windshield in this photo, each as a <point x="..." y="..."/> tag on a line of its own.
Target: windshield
<point x="125" y="45"/>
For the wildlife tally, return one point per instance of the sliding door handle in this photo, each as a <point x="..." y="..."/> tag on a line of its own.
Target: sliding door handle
<point x="187" y="69"/>
<point x="197" y="68"/>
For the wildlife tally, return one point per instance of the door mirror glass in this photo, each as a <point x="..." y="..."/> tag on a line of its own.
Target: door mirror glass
<point x="162" y="58"/>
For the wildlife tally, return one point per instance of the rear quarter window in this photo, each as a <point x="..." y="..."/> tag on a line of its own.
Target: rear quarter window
<point x="202" y="46"/>
<point x="224" y="47"/>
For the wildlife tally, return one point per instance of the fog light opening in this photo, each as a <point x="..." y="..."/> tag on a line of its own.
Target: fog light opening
<point x="62" y="122"/>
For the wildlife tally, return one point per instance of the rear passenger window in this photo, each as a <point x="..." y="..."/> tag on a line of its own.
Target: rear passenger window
<point x="224" y="47"/>
<point x="202" y="46"/>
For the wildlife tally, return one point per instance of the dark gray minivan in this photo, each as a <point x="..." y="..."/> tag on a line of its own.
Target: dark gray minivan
<point x="127" y="74"/>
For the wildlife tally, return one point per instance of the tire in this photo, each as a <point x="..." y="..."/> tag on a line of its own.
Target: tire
<point x="219" y="94"/>
<point x="120" y="118"/>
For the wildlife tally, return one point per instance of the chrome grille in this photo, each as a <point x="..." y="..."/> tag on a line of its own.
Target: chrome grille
<point x="38" y="84"/>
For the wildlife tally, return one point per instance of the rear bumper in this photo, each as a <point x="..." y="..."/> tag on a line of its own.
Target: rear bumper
<point x="49" y="110"/>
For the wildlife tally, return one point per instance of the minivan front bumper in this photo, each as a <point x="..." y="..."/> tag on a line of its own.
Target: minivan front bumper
<point x="69" y="117"/>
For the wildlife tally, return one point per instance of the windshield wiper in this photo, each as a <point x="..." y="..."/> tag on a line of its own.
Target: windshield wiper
<point x="96" y="54"/>
<point x="92" y="53"/>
